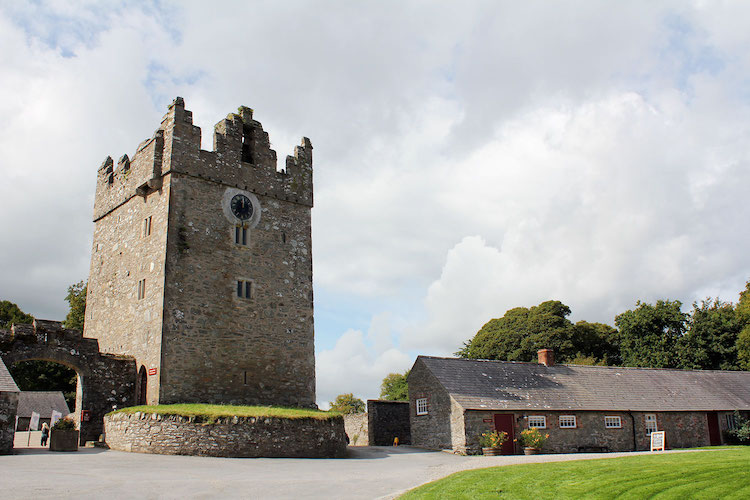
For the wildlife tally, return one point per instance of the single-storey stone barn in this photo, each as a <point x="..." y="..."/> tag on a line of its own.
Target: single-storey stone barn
<point x="582" y="408"/>
<point x="41" y="402"/>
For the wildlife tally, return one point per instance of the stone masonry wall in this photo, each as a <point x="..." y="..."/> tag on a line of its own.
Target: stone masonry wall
<point x="227" y="437"/>
<point x="683" y="430"/>
<point x="431" y="431"/>
<point x="8" y="405"/>
<point x="388" y="420"/>
<point x="355" y="425"/>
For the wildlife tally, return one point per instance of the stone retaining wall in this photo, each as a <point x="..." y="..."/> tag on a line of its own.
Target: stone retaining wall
<point x="227" y="437"/>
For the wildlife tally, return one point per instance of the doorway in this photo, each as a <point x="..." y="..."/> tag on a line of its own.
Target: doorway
<point x="714" y="436"/>
<point x="506" y="422"/>
<point x="142" y="386"/>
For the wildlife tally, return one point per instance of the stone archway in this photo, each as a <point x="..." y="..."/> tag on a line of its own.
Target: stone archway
<point x="105" y="381"/>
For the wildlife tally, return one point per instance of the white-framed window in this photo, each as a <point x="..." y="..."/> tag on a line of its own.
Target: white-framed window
<point x="245" y="289"/>
<point x="612" y="422"/>
<point x="538" y="421"/>
<point x="730" y="419"/>
<point x="147" y="226"/>
<point x="141" y="288"/>
<point x="422" y="406"/>
<point x="650" y="423"/>
<point x="240" y="235"/>
<point x="567" y="421"/>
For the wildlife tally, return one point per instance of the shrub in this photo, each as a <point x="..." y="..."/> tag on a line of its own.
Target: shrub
<point x="64" y="424"/>
<point x="741" y="433"/>
<point x="532" y="438"/>
<point x="494" y="439"/>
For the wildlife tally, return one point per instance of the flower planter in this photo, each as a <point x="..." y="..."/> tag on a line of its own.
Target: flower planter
<point x="531" y="451"/>
<point x="491" y="452"/>
<point x="63" y="440"/>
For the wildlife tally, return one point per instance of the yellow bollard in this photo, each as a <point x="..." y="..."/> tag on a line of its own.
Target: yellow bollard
<point x="395" y="441"/>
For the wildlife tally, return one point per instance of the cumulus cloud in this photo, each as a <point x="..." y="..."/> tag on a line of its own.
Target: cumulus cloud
<point x="358" y="363"/>
<point x="468" y="158"/>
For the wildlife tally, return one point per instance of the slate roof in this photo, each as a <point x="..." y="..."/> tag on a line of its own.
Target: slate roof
<point x="7" y="384"/>
<point x="506" y="385"/>
<point x="42" y="402"/>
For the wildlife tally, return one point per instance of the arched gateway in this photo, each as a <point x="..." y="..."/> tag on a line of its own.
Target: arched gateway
<point x="105" y="381"/>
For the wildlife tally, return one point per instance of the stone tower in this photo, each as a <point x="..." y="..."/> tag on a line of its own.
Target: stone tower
<point x="201" y="266"/>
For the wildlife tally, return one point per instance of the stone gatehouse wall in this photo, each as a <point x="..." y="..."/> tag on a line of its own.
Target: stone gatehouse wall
<point x="245" y="437"/>
<point x="8" y="405"/>
<point x="356" y="427"/>
<point x="388" y="420"/>
<point x="106" y="381"/>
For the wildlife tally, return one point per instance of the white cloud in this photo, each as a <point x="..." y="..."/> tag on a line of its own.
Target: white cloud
<point x="358" y="363"/>
<point x="478" y="156"/>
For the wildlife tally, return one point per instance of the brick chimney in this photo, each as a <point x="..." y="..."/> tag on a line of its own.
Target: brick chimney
<point x="546" y="357"/>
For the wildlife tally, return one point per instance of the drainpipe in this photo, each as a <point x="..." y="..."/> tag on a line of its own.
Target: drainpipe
<point x="632" y="422"/>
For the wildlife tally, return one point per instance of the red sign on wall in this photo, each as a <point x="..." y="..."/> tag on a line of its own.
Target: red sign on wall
<point x="152" y="371"/>
<point x="85" y="415"/>
<point x="487" y="420"/>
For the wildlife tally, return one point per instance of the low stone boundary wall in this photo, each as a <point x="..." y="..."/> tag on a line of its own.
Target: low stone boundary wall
<point x="227" y="436"/>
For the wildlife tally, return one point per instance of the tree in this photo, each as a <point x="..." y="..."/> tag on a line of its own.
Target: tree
<point x="598" y="342"/>
<point x="77" y="299"/>
<point x="743" y="339"/>
<point x="395" y="387"/>
<point x="711" y="340"/>
<point x="521" y="332"/>
<point x="10" y="313"/>
<point x="347" y="403"/>
<point x="649" y="334"/>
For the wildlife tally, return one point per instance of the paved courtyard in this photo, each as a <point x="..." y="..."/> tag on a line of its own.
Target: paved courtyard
<point x="369" y="473"/>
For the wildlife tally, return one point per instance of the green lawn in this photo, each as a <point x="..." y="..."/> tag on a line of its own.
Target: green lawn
<point x="205" y="411"/>
<point x="711" y="473"/>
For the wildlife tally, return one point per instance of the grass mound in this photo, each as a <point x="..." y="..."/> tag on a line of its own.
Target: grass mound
<point x="209" y="412"/>
<point x="712" y="473"/>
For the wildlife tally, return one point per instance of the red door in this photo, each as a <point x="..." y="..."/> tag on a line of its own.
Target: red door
<point x="505" y="422"/>
<point x="713" y="428"/>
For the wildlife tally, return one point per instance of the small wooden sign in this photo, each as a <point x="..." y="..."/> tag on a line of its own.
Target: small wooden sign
<point x="657" y="441"/>
<point x="152" y="371"/>
<point x="487" y="420"/>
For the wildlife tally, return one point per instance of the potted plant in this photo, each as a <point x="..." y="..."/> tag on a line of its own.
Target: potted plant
<point x="532" y="440"/>
<point x="64" y="435"/>
<point x="492" y="442"/>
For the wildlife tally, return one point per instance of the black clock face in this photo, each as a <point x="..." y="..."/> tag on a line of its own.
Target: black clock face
<point x="241" y="206"/>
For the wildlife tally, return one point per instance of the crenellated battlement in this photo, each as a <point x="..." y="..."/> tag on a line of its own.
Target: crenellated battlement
<point x="242" y="157"/>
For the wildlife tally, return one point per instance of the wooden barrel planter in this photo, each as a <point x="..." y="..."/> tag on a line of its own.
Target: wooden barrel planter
<point x="531" y="451"/>
<point x="491" y="452"/>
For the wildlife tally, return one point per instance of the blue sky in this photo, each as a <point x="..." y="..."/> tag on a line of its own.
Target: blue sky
<point x="468" y="159"/>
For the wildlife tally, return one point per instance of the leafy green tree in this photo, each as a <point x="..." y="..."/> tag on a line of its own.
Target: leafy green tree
<point x="711" y="340"/>
<point x="395" y="387"/>
<point x="10" y="313"/>
<point x="743" y="339"/>
<point x="521" y="332"/>
<point x="597" y="341"/>
<point x="347" y="403"/>
<point x="649" y="334"/>
<point x="77" y="299"/>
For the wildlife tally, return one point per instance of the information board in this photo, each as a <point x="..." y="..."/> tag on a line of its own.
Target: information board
<point x="657" y="441"/>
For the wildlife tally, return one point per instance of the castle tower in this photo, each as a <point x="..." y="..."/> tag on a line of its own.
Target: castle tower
<point x="201" y="266"/>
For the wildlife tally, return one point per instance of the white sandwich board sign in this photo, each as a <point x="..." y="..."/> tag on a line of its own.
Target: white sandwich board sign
<point x="657" y="441"/>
